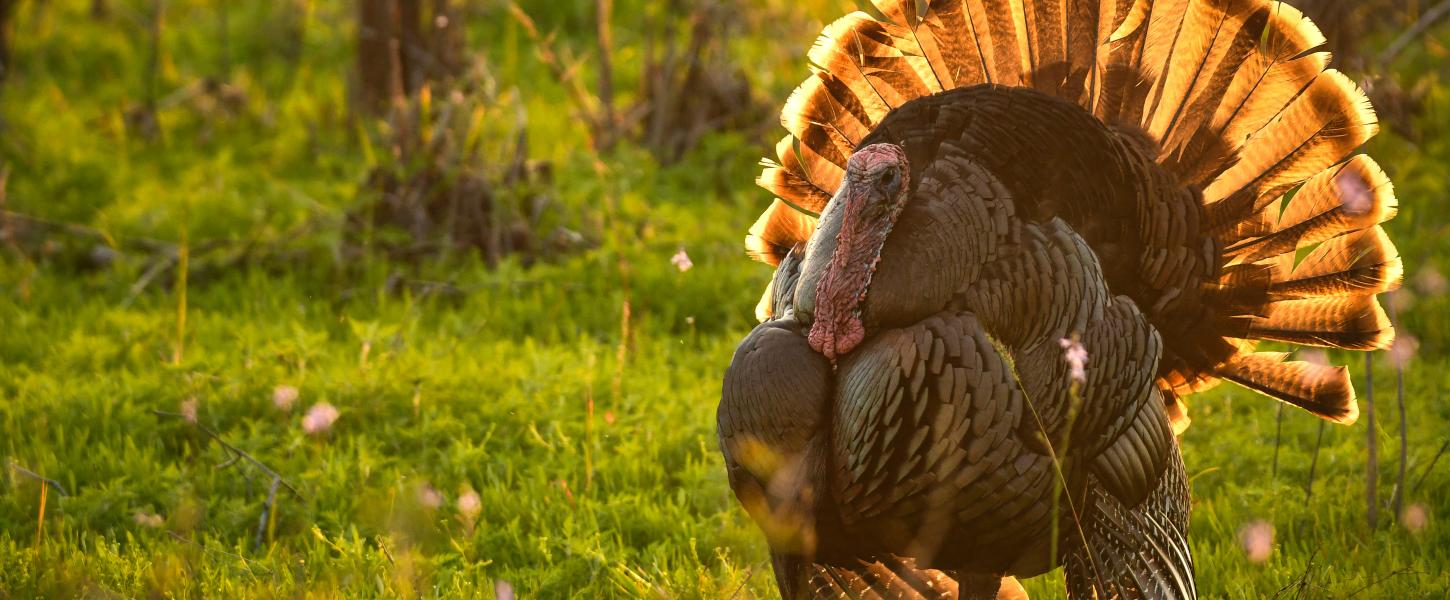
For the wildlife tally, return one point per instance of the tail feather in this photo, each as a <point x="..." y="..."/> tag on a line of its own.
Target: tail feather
<point x="1361" y="263"/>
<point x="1232" y="95"/>
<point x="956" y="52"/>
<point x="1318" y="129"/>
<point x="777" y="230"/>
<point x="1349" y="322"/>
<point x="1354" y="196"/>
<point x="788" y="179"/>
<point x="1320" y="389"/>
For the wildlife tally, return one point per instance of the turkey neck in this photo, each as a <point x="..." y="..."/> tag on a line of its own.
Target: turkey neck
<point x="838" y="327"/>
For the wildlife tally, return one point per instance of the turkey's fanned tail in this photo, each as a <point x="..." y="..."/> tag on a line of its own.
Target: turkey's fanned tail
<point x="1238" y="103"/>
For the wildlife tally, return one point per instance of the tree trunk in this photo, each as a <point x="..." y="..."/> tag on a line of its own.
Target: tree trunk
<point x="6" y="8"/>
<point x="402" y="46"/>
<point x="377" y="38"/>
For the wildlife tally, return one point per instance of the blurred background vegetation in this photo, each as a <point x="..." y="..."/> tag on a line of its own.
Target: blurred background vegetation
<point x="431" y="298"/>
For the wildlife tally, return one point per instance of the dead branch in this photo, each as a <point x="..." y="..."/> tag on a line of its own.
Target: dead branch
<point x="1431" y="466"/>
<point x="235" y="451"/>
<point x="38" y="477"/>
<point x="1372" y="463"/>
<point x="11" y="220"/>
<point x="1314" y="463"/>
<point x="1425" y="21"/>
<point x="267" y="509"/>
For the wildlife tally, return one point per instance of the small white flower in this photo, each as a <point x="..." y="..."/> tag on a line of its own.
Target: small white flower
<point x="149" y="520"/>
<point x="1314" y="356"/>
<point x="469" y="505"/>
<point x="1415" y="518"/>
<point x="1354" y="193"/>
<point x="319" y="418"/>
<point x="1403" y="349"/>
<point x="188" y="410"/>
<point x="1431" y="282"/>
<point x="1076" y="357"/>
<point x="284" y="397"/>
<point x="1257" y="539"/>
<point x="682" y="261"/>
<point x="430" y="497"/>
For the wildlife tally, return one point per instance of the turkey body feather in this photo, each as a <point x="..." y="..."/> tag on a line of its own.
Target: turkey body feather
<point x="969" y="185"/>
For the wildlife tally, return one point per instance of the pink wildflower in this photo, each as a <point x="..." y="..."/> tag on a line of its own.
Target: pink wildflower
<point x="1415" y="518"/>
<point x="146" y="519"/>
<point x="319" y="418"/>
<point x="503" y="590"/>
<point x="430" y="497"/>
<point x="682" y="261"/>
<point x="1431" y="282"/>
<point x="1257" y="539"/>
<point x="188" y="410"/>
<point x="1076" y="357"/>
<point x="1403" y="349"/>
<point x="284" y="397"/>
<point x="469" y="505"/>
<point x="1354" y="193"/>
<point x="1314" y="356"/>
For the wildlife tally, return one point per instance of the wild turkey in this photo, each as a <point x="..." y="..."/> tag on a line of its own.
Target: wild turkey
<point x="995" y="179"/>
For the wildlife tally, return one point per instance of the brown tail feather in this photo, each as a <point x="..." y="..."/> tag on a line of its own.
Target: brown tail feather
<point x="1318" y="129"/>
<point x="778" y="230"/>
<point x="1362" y="263"/>
<point x="1349" y="198"/>
<point x="1322" y="390"/>
<point x="1350" y="322"/>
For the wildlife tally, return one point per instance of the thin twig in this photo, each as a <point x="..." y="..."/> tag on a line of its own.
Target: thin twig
<point x="1424" y="23"/>
<point x="1371" y="462"/>
<point x="1278" y="437"/>
<point x="604" y="40"/>
<point x="1381" y="579"/>
<point x="564" y="73"/>
<point x="267" y="509"/>
<point x="1431" y="467"/>
<point x="1301" y="583"/>
<point x="38" y="477"/>
<point x="11" y="217"/>
<point x="233" y="449"/>
<point x="155" y="269"/>
<point x="749" y="572"/>
<point x="1313" y="463"/>
<point x="1397" y="499"/>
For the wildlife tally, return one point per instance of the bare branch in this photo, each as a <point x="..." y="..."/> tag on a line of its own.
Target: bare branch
<point x="38" y="477"/>
<point x="1424" y="23"/>
<point x="267" y="509"/>
<point x="236" y="452"/>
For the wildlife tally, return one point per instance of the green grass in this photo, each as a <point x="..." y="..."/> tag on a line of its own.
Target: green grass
<point x="589" y="441"/>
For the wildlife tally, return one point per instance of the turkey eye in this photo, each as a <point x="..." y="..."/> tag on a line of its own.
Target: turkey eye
<point x="890" y="179"/>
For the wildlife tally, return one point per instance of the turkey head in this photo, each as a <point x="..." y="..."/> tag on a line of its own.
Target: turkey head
<point x="845" y="252"/>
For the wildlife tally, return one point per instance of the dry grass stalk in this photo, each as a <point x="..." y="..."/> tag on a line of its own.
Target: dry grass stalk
<point x="1372" y="463"/>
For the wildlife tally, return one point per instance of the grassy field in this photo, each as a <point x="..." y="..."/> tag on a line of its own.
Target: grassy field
<point x="547" y="429"/>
